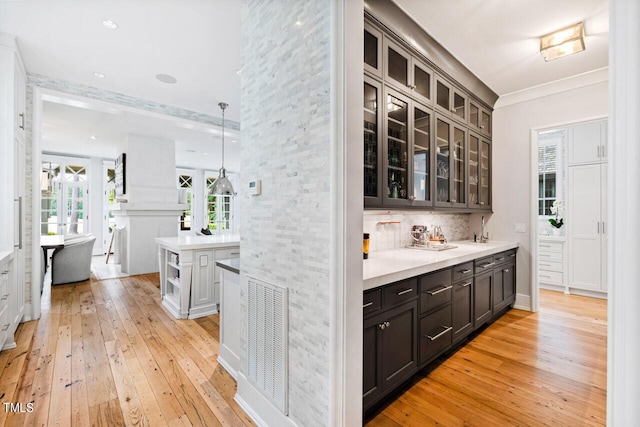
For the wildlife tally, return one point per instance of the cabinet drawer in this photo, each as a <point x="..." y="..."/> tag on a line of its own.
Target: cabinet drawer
<point x="503" y="257"/>
<point x="435" y="334"/>
<point x="227" y="253"/>
<point x="462" y="271"/>
<point x="435" y="290"/>
<point x="550" y="277"/>
<point x="372" y="301"/>
<point x="549" y="266"/>
<point x="399" y="292"/>
<point x="484" y="264"/>
<point x="550" y="246"/>
<point x="550" y="256"/>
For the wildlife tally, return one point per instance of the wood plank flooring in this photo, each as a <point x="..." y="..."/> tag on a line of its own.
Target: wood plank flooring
<point x="534" y="369"/>
<point x="106" y="353"/>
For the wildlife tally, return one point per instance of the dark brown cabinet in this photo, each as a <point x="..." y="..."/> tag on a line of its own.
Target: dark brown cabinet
<point x="504" y="281"/>
<point x="479" y="118"/>
<point x="372" y="136"/>
<point x="451" y="164"/>
<point x="372" y="50"/>
<point x="451" y="101"/>
<point x="479" y="172"/>
<point x="482" y="301"/>
<point x="462" y="301"/>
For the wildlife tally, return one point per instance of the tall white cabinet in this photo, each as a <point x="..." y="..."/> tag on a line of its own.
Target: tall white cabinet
<point x="587" y="225"/>
<point x="12" y="188"/>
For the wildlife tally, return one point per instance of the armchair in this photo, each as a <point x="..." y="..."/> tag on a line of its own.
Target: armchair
<point x="73" y="262"/>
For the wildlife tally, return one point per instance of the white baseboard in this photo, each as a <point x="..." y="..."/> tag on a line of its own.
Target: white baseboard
<point x="523" y="302"/>
<point x="261" y="410"/>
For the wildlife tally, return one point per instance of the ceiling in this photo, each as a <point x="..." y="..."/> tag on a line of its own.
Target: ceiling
<point x="199" y="44"/>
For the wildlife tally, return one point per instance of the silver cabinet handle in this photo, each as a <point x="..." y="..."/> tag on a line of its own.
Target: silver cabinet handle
<point x="454" y="201"/>
<point x="464" y="285"/>
<point x="5" y="272"/>
<point x="22" y="120"/>
<point x="369" y="304"/>
<point x="545" y="277"/>
<point x="384" y="325"/>
<point x="512" y="255"/>
<point x="6" y="327"/>
<point x="447" y="329"/>
<point x="4" y="297"/>
<point x="599" y="151"/>
<point x="412" y="197"/>
<point x="406" y="291"/>
<point x="489" y="265"/>
<point x="506" y="270"/>
<point x="19" y="200"/>
<point x="439" y="290"/>
<point x="500" y="259"/>
<point x="465" y="271"/>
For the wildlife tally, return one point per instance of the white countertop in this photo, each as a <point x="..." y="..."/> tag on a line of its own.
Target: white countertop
<point x="199" y="242"/>
<point x="386" y="267"/>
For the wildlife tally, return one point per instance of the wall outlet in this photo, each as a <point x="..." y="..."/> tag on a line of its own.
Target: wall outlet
<point x="521" y="227"/>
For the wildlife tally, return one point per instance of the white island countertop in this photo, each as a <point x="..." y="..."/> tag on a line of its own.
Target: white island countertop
<point x="386" y="267"/>
<point x="199" y="242"/>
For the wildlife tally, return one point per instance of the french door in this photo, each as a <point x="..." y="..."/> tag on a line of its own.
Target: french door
<point x="64" y="188"/>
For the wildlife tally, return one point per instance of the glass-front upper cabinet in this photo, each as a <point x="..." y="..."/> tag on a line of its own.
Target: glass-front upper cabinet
<point x="421" y="156"/>
<point x="479" y="118"/>
<point x="479" y="172"/>
<point x="372" y="50"/>
<point x="397" y="149"/>
<point x="443" y="163"/>
<point x="451" y="100"/>
<point x="407" y="73"/>
<point x="372" y="146"/>
<point x="451" y="164"/>
<point x="458" y="166"/>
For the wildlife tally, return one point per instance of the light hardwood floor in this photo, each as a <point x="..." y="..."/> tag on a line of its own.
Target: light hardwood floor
<point x="534" y="369"/>
<point x="106" y="353"/>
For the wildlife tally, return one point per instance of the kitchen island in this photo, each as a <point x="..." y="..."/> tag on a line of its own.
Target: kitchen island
<point x="229" y="356"/>
<point x="420" y="304"/>
<point x="189" y="278"/>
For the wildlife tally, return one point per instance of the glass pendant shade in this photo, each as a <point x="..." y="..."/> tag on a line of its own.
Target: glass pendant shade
<point x="222" y="186"/>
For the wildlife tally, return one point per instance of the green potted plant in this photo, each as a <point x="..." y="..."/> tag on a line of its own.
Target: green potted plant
<point x="557" y="222"/>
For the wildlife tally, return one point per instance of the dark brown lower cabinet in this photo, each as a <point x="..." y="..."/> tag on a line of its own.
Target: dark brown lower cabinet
<point x="504" y="286"/>
<point x="390" y="353"/>
<point x="435" y="334"/>
<point x="462" y="309"/>
<point x="483" y="301"/>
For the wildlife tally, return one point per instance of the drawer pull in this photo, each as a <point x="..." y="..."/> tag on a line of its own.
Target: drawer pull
<point x="439" y="290"/>
<point x="235" y="253"/>
<point x="369" y="304"/>
<point x="500" y="259"/>
<point x="6" y="327"/>
<point x="464" y="285"/>
<point x="384" y="325"/>
<point x="506" y="270"/>
<point x="446" y="329"/>
<point x="489" y="264"/>
<point x="4" y="297"/>
<point x="512" y="255"/>
<point x="5" y="272"/>
<point x="544" y="246"/>
<point x="465" y="271"/>
<point x="545" y="277"/>
<point x="406" y="291"/>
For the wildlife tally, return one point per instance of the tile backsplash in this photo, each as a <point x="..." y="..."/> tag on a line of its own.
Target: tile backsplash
<point x="391" y="229"/>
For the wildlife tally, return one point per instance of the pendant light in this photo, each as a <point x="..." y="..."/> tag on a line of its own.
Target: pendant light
<point x="222" y="186"/>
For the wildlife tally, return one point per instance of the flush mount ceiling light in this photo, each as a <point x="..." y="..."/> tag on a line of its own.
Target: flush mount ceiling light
<point x="222" y="186"/>
<point x="166" y="78"/>
<point x="108" y="23"/>
<point x="562" y="42"/>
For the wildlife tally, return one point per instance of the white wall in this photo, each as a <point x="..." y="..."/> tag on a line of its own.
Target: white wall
<point x="512" y="162"/>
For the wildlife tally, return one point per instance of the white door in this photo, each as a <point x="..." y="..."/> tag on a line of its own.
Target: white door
<point x="585" y="227"/>
<point x="19" y="238"/>
<point x="604" y="229"/>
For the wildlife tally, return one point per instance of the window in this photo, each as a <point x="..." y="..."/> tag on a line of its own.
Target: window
<point x="547" y="185"/>
<point x="185" y="184"/>
<point x="218" y="209"/>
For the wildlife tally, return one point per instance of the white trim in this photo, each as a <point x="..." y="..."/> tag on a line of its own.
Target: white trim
<point x="552" y="88"/>
<point x="271" y="416"/>
<point x="36" y="164"/>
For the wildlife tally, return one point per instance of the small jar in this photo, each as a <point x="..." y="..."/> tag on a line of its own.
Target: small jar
<point x="365" y="246"/>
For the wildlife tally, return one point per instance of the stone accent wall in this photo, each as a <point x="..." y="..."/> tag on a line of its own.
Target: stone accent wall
<point x="28" y="202"/>
<point x="286" y="138"/>
<point x="394" y="236"/>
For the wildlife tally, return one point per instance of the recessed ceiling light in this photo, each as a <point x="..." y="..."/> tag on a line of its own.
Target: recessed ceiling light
<point x="108" y="23"/>
<point x="298" y="23"/>
<point x="99" y="75"/>
<point x="166" y="78"/>
<point x="239" y="71"/>
<point x="206" y="154"/>
<point x="93" y="137"/>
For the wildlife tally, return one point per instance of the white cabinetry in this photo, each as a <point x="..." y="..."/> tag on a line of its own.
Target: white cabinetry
<point x="5" y="303"/>
<point x="552" y="263"/>
<point x="587" y="143"/>
<point x="189" y="278"/>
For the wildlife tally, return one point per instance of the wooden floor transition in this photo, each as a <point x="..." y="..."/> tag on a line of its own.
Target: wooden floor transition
<point x="530" y="369"/>
<point x="106" y="353"/>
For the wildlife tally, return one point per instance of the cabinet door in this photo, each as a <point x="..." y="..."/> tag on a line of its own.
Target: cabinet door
<point x="485" y="122"/>
<point x="435" y="334"/>
<point x="421" y="148"/>
<point x="451" y="100"/>
<point x="20" y="88"/>
<point x="421" y="82"/>
<point x="372" y="50"/>
<point x="202" y="282"/>
<point x="396" y="149"/>
<point x="586" y="143"/>
<point x="372" y="134"/>
<point x="474" y="171"/>
<point x="462" y="309"/>
<point x="485" y="174"/>
<point x="482" y="299"/>
<point x="604" y="236"/>
<point x="443" y="162"/>
<point x="584" y="227"/>
<point x="399" y="344"/>
<point x="371" y="361"/>
<point x="459" y="167"/>
<point x="397" y="63"/>
<point x="443" y="96"/>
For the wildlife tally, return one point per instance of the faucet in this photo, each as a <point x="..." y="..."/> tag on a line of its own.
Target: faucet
<point x="483" y="238"/>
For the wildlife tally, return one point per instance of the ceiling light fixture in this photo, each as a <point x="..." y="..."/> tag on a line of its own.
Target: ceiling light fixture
<point x="166" y="78"/>
<point x="563" y="42"/>
<point x="222" y="186"/>
<point x="108" y="23"/>
<point x="99" y="75"/>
